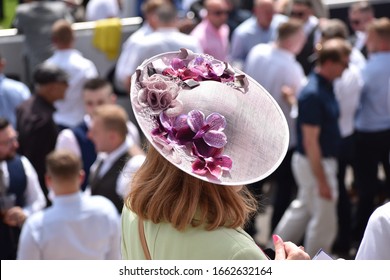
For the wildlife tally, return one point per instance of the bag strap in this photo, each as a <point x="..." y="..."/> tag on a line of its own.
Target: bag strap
<point x="141" y="232"/>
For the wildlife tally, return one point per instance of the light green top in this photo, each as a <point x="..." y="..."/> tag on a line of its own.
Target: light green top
<point x="167" y="243"/>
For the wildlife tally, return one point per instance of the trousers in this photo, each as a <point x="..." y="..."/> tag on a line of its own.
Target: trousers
<point x="309" y="216"/>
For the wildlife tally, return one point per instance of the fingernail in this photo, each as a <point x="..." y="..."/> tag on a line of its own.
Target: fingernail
<point x="275" y="237"/>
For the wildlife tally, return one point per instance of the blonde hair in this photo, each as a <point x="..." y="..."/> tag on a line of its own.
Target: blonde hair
<point x="381" y="27"/>
<point x="161" y="192"/>
<point x="113" y="117"/>
<point x="63" y="164"/>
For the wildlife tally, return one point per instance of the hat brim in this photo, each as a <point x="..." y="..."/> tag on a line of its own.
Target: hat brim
<point x="256" y="130"/>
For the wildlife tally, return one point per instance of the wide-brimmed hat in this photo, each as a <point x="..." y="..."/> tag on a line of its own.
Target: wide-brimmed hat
<point x="210" y="120"/>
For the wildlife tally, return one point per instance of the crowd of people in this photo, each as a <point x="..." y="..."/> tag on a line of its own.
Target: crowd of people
<point x="68" y="152"/>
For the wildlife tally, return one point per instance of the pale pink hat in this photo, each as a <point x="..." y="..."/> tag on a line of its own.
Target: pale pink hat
<point x="208" y="119"/>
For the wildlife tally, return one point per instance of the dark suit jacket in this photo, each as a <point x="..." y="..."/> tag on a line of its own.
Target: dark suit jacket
<point x="37" y="133"/>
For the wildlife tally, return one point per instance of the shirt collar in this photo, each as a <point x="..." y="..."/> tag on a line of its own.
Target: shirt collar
<point x="67" y="198"/>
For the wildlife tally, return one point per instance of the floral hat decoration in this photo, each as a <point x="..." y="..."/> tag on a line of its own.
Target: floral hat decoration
<point x="209" y="119"/>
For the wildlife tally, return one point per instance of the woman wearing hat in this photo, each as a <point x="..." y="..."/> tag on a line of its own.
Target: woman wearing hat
<point x="211" y="130"/>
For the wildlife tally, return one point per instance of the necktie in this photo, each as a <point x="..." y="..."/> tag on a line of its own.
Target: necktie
<point x="95" y="176"/>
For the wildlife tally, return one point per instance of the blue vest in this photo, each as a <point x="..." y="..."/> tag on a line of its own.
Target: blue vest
<point x="9" y="236"/>
<point x="88" y="152"/>
<point x="17" y="179"/>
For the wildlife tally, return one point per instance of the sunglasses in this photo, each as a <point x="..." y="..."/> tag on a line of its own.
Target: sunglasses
<point x="219" y="13"/>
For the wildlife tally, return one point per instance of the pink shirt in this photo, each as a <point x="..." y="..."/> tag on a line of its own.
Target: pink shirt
<point x="213" y="41"/>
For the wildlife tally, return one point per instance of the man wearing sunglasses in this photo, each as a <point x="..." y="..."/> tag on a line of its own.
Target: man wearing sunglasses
<point x="213" y="31"/>
<point x="303" y="11"/>
<point x="360" y="14"/>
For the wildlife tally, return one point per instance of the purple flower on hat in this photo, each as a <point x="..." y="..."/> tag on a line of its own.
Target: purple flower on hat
<point x="176" y="129"/>
<point x="210" y="129"/>
<point x="159" y="94"/>
<point x="201" y="68"/>
<point x="210" y="160"/>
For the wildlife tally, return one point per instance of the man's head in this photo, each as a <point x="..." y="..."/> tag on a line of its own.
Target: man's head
<point x="96" y="92"/>
<point x="301" y="9"/>
<point x="217" y="12"/>
<point x="109" y="127"/>
<point x="360" y="14"/>
<point x="50" y="82"/>
<point x="149" y="8"/>
<point x="264" y="11"/>
<point x="64" y="172"/>
<point x="378" y="36"/>
<point x="291" y="36"/>
<point x="334" y="28"/>
<point x="8" y="140"/>
<point x="166" y="15"/>
<point x="62" y="34"/>
<point x="333" y="57"/>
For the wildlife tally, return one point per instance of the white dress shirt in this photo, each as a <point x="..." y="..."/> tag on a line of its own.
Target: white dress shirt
<point x="70" y="110"/>
<point x="347" y="89"/>
<point x="375" y="242"/>
<point x="124" y="179"/>
<point x="280" y="68"/>
<point x="162" y="40"/>
<point x="34" y="197"/>
<point x="101" y="9"/>
<point x="75" y="227"/>
<point x="121" y="69"/>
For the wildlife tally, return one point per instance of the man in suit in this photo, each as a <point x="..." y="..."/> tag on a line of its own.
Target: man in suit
<point x="20" y="192"/>
<point x="96" y="92"/>
<point x="111" y="173"/>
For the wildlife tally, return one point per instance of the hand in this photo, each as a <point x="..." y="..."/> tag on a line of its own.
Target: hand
<point x="288" y="250"/>
<point x="325" y="191"/>
<point x="15" y="217"/>
<point x="289" y="95"/>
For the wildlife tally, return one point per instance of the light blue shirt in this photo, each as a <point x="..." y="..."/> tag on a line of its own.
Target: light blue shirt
<point x="249" y="33"/>
<point x="76" y="226"/>
<point x="12" y="93"/>
<point x="374" y="111"/>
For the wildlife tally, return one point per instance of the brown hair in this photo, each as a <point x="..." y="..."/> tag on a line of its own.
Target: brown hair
<point x="333" y="49"/>
<point x="150" y="6"/>
<point x="334" y="28"/>
<point x="289" y="28"/>
<point x="113" y="117"/>
<point x="62" y="32"/>
<point x="381" y="27"/>
<point x="63" y="164"/>
<point x="162" y="192"/>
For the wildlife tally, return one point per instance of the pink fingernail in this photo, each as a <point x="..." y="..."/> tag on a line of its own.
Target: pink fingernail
<point x="275" y="237"/>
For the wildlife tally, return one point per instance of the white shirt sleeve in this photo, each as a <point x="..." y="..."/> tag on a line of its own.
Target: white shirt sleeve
<point x="67" y="140"/>
<point x="124" y="180"/>
<point x="132" y="135"/>
<point x="28" y="248"/>
<point x="35" y="199"/>
<point x="375" y="242"/>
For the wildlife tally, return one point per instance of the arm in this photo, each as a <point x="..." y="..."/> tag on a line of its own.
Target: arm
<point x="313" y="152"/>
<point x="35" y="199"/>
<point x="28" y="248"/>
